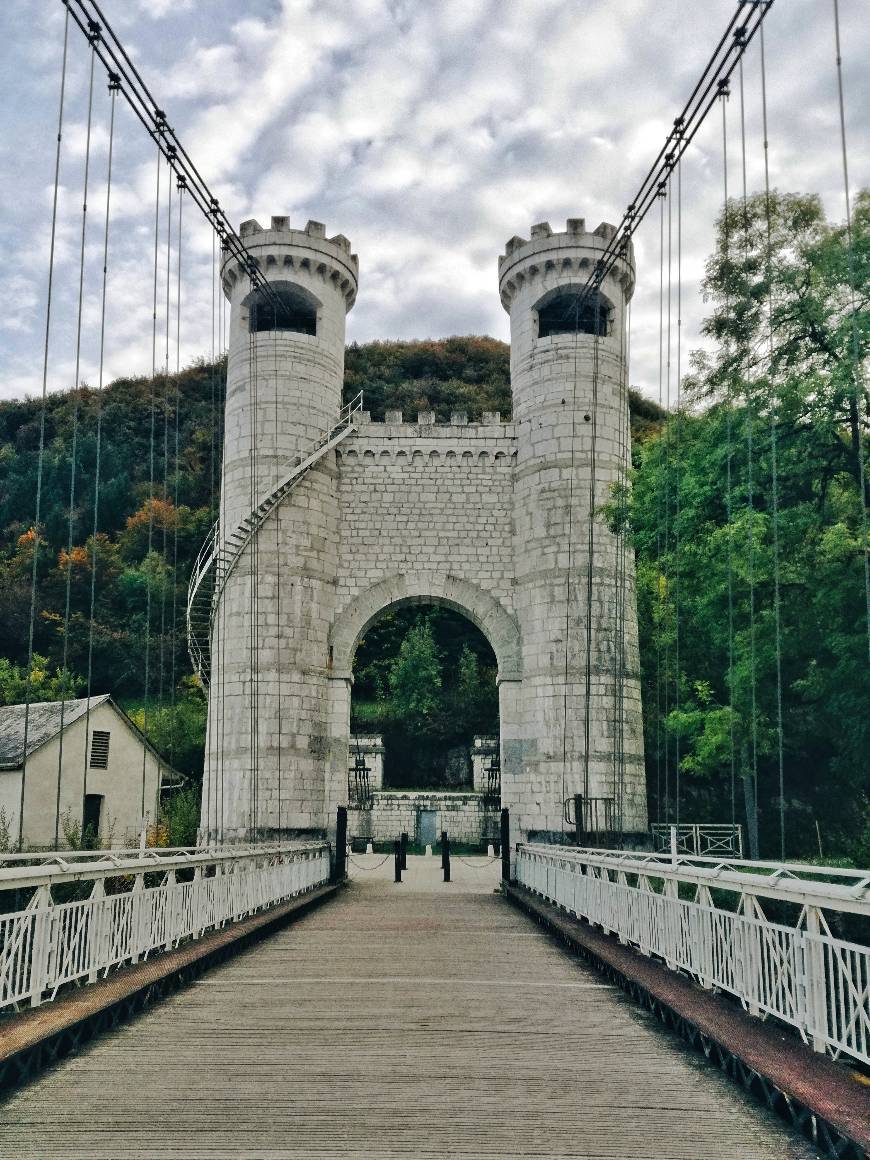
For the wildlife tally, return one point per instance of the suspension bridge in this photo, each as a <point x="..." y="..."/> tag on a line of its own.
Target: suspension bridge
<point x="603" y="985"/>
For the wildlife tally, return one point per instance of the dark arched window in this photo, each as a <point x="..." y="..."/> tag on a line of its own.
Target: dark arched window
<point x="282" y="307"/>
<point x="571" y="311"/>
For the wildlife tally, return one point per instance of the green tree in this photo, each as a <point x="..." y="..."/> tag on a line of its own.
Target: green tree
<point x="415" y="682"/>
<point x="45" y="684"/>
<point x="782" y="379"/>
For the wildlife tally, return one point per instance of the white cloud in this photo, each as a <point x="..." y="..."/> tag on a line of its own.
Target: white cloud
<point x="427" y="133"/>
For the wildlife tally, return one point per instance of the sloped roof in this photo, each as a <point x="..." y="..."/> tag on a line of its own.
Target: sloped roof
<point x="44" y="722"/>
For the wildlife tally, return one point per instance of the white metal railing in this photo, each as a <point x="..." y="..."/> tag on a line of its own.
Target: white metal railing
<point x="52" y="943"/>
<point x="800" y="974"/>
<point x="725" y="840"/>
<point x="223" y="548"/>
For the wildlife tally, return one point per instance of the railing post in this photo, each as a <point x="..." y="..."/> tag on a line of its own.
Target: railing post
<point x="397" y="860"/>
<point x="41" y="905"/>
<point x="673" y="845"/>
<point x="97" y="929"/>
<point x="169" y="910"/>
<point x="339" y="871"/>
<point x="751" y="957"/>
<point x="136" y="904"/>
<point x="705" y="951"/>
<point x="815" y="990"/>
<point x="505" y="838"/>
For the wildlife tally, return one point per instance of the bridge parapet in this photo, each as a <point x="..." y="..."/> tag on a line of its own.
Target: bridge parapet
<point x="126" y="917"/>
<point x="706" y="917"/>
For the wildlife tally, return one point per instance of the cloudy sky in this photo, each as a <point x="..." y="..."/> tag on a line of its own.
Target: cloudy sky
<point x="427" y="131"/>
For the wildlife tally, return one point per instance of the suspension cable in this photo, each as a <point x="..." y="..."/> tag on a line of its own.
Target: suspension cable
<point x="88" y="15"/>
<point x="113" y="93"/>
<point x="590" y="563"/>
<point x="570" y="565"/>
<point x="677" y="577"/>
<point x="74" y="454"/>
<point x="725" y="58"/>
<point x="40" y="459"/>
<point x="165" y="489"/>
<point x="725" y="93"/>
<point x="667" y="490"/>
<point x="279" y="635"/>
<point x="752" y="810"/>
<point x="858" y="400"/>
<point x="777" y="613"/>
<point x="174" y="638"/>
<point x="658" y="594"/>
<point x="147" y="673"/>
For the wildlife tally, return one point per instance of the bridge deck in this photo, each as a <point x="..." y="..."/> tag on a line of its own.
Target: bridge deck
<point x="422" y="1020"/>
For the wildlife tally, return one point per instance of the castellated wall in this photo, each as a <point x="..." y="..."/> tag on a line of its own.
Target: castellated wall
<point x="431" y="498"/>
<point x="498" y="520"/>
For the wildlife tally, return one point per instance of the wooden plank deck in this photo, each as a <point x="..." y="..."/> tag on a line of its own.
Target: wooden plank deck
<point x="423" y="1020"/>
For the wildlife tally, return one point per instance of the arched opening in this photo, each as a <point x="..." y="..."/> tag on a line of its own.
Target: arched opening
<point x="571" y="310"/>
<point x="425" y="684"/>
<point x="284" y="306"/>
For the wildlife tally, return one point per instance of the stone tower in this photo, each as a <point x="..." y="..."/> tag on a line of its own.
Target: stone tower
<point x="490" y="518"/>
<point x="569" y="381"/>
<point x="285" y="374"/>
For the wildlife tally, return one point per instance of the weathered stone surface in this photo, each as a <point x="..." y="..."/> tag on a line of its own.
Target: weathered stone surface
<point x="491" y="519"/>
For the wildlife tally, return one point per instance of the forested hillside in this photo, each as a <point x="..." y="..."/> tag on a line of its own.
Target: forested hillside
<point x="754" y="489"/>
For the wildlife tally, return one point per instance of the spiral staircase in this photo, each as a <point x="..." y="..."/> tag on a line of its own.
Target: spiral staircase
<point x="220" y="553"/>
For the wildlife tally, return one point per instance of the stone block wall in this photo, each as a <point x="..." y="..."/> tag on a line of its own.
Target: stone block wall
<point x="498" y="520"/>
<point x="485" y="748"/>
<point x="395" y="812"/>
<point x="426" y="497"/>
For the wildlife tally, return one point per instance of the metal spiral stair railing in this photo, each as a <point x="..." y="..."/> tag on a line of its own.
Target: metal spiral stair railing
<point x="219" y="555"/>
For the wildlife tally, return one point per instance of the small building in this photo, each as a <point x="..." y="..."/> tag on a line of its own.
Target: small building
<point x="87" y="770"/>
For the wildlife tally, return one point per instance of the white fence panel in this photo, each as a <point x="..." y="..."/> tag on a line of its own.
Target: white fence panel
<point x="50" y="945"/>
<point x="800" y="975"/>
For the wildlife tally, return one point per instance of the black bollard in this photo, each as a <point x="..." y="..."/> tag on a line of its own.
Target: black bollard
<point x="445" y="855"/>
<point x="404" y="850"/>
<point x="397" y="859"/>
<point x="578" y="820"/>
<point x="339" y="872"/>
<point x="505" y="845"/>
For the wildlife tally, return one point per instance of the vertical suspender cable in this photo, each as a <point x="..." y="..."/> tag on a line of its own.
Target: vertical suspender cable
<point x="590" y="563"/>
<point x="729" y="405"/>
<point x="622" y="567"/>
<point x="74" y="450"/>
<point x="165" y="488"/>
<point x="222" y="611"/>
<point x="752" y="778"/>
<point x="252" y="601"/>
<point x="857" y="402"/>
<point x="147" y="673"/>
<point x="210" y="767"/>
<point x="679" y="422"/>
<point x="40" y="461"/>
<point x="667" y="489"/>
<point x="279" y="635"/>
<point x="578" y="821"/>
<point x="658" y="594"/>
<point x="114" y="86"/>
<point x="177" y="408"/>
<point x="777" y="616"/>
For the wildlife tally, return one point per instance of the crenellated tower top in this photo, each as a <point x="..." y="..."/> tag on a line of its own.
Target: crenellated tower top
<point x="282" y="253"/>
<point x="560" y="257"/>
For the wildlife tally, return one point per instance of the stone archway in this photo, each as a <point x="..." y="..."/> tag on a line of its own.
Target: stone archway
<point x="480" y="607"/>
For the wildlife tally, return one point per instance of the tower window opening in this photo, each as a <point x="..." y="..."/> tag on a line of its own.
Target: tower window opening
<point x="285" y="308"/>
<point x="571" y="312"/>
